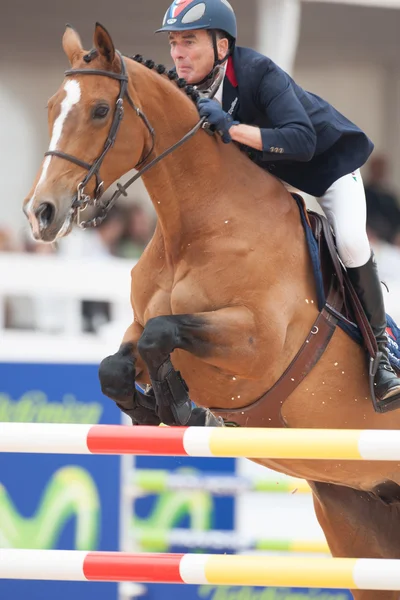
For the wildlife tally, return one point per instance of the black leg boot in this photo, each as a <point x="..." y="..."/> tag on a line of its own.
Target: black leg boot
<point x="366" y="283"/>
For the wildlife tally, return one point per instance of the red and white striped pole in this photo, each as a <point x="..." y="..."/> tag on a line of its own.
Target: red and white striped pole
<point x="324" y="444"/>
<point x="198" y="569"/>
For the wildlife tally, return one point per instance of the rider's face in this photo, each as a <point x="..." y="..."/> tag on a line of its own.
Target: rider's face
<point x="193" y="53"/>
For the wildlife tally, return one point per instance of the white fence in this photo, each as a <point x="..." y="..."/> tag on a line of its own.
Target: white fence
<point x="55" y="288"/>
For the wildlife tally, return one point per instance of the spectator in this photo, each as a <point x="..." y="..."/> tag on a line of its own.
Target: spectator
<point x="111" y="231"/>
<point x="383" y="211"/>
<point x="99" y="242"/>
<point x="138" y="232"/>
<point x="7" y="240"/>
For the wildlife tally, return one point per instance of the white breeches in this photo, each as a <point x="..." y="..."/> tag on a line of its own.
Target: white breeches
<point x="345" y="207"/>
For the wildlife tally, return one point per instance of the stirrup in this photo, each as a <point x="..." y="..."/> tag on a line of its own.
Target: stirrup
<point x="380" y="406"/>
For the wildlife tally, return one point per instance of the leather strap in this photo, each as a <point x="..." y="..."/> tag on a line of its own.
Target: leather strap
<point x="328" y="237"/>
<point x="266" y="411"/>
<point x="120" y="76"/>
<point x="361" y="318"/>
<point x="346" y="286"/>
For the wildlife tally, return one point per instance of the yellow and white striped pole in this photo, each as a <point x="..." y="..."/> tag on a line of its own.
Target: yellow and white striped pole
<point x="315" y="444"/>
<point x="198" y="569"/>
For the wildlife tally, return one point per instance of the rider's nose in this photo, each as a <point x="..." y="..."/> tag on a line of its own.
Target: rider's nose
<point x="176" y="53"/>
<point x="44" y="214"/>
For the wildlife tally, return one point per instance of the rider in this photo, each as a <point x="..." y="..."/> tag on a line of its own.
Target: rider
<point x="291" y="133"/>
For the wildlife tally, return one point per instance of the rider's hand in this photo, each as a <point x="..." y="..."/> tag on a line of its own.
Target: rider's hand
<point x="217" y="117"/>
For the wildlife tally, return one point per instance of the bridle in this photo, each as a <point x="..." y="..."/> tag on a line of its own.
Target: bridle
<point x="82" y="200"/>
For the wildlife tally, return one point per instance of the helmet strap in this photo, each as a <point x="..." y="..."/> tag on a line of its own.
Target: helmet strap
<point x="217" y="61"/>
<point x="215" y="47"/>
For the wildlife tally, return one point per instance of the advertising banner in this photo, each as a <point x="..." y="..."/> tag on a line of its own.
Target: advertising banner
<point x="202" y="511"/>
<point x="57" y="502"/>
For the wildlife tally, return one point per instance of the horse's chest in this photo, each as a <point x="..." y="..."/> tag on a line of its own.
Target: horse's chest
<point x="158" y="289"/>
<point x="188" y="297"/>
<point x="151" y="298"/>
<point x="160" y="296"/>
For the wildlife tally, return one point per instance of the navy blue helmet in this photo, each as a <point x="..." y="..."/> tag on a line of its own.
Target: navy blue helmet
<point x="184" y="15"/>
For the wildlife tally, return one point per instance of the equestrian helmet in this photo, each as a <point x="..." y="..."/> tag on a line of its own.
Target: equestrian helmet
<point x="185" y="15"/>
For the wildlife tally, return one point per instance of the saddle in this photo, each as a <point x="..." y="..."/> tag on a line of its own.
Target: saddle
<point x="349" y="311"/>
<point x="339" y="305"/>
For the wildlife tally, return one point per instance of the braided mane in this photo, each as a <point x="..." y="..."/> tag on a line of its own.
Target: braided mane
<point x="171" y="74"/>
<point x="161" y="69"/>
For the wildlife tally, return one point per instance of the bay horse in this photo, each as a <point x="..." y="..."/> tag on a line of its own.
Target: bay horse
<point x="225" y="287"/>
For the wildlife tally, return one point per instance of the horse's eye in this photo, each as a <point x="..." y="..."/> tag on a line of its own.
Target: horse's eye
<point x="100" y="111"/>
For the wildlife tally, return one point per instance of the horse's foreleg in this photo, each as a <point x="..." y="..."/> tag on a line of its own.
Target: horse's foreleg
<point x="118" y="373"/>
<point x="224" y="338"/>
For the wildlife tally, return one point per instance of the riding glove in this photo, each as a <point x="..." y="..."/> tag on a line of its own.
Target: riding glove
<point x="217" y="117"/>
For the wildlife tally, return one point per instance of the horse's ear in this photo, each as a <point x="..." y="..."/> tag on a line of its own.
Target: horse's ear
<point x="72" y="44"/>
<point x="103" y="43"/>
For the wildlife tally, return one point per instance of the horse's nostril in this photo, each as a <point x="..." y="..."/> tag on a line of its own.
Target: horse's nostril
<point x="45" y="214"/>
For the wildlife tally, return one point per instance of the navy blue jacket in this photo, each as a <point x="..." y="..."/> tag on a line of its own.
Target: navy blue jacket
<point x="306" y="142"/>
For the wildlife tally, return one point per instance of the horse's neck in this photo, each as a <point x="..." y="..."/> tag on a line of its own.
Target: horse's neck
<point x="181" y="184"/>
<point x="197" y="187"/>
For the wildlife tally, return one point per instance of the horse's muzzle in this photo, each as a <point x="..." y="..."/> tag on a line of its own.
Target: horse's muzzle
<point x="48" y="222"/>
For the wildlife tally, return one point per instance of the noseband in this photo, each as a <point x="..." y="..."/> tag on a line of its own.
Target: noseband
<point x="82" y="200"/>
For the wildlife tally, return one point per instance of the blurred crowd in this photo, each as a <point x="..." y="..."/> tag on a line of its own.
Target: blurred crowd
<point x="128" y="229"/>
<point x="383" y="204"/>
<point x="125" y="233"/>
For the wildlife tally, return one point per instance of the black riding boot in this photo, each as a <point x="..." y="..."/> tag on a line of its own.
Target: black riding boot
<point x="366" y="283"/>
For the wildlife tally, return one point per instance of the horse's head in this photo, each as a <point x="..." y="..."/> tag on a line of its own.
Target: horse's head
<point x="85" y="153"/>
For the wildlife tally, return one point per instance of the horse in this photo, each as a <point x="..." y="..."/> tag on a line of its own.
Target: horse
<point x="224" y="295"/>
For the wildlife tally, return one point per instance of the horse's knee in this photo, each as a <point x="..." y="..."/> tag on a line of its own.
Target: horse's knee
<point x="117" y="373"/>
<point x="157" y="340"/>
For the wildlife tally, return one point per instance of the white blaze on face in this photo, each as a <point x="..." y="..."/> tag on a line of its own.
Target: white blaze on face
<point x="72" y="97"/>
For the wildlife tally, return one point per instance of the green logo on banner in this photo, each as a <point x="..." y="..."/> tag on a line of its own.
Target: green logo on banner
<point x="169" y="510"/>
<point x="34" y="407"/>
<point x="71" y="492"/>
